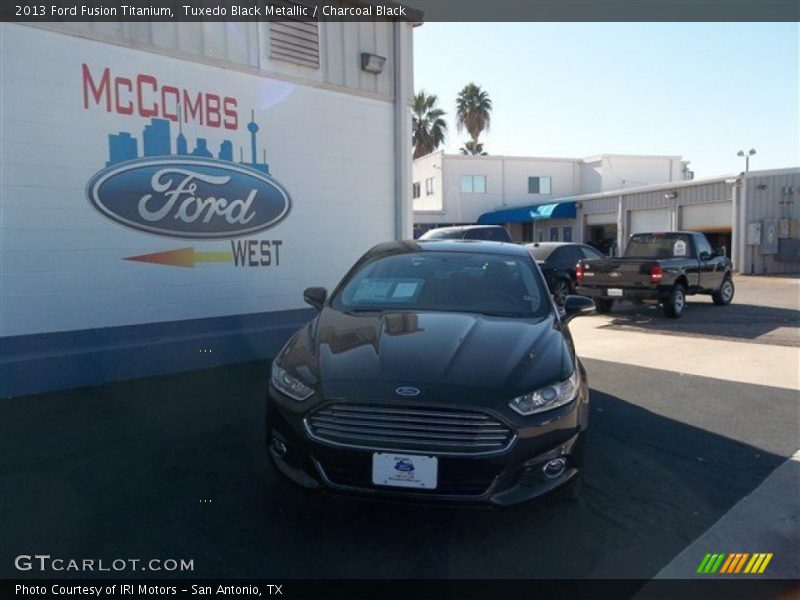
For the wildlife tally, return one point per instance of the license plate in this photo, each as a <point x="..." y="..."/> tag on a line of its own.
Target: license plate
<point x="404" y="470"/>
<point x="615" y="292"/>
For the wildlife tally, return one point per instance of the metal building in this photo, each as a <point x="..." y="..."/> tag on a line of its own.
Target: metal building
<point x="754" y="217"/>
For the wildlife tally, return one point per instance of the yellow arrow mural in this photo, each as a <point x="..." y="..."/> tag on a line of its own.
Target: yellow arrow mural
<point x="182" y="257"/>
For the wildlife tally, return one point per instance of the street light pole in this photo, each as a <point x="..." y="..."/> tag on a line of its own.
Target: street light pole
<point x="747" y="156"/>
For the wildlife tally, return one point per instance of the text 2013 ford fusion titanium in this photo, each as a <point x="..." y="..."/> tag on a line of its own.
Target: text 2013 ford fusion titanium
<point x="435" y="370"/>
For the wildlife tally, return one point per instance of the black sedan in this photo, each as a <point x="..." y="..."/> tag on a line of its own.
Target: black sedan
<point x="435" y="370"/>
<point x="557" y="260"/>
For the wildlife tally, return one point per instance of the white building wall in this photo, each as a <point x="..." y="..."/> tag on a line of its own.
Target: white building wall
<point x="246" y="46"/>
<point x="621" y="172"/>
<point x="506" y="184"/>
<point x="507" y="181"/>
<point x="63" y="262"/>
<point x="425" y="168"/>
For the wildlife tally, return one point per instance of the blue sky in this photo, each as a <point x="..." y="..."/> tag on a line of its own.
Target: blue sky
<point x="700" y="90"/>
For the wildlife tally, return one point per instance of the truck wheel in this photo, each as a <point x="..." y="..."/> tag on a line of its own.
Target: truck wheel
<point x="724" y="294"/>
<point x="675" y="305"/>
<point x="603" y="305"/>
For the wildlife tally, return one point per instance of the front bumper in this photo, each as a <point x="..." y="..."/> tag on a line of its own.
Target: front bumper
<point x="510" y="476"/>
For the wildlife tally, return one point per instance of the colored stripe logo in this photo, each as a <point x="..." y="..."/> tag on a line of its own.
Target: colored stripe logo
<point x="737" y="562"/>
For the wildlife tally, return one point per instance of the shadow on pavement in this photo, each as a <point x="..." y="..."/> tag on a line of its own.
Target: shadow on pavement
<point x="735" y="321"/>
<point x="174" y="467"/>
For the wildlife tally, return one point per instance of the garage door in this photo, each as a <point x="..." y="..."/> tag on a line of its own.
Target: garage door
<point x="706" y="217"/>
<point x="654" y="219"/>
<point x="609" y="218"/>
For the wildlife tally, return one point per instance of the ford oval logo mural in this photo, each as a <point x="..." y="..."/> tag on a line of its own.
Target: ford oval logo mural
<point x="187" y="197"/>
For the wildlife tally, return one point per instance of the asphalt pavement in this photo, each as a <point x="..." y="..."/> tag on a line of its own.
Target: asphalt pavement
<point x="174" y="467"/>
<point x="764" y="311"/>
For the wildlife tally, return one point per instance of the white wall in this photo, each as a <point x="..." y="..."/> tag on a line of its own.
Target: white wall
<point x="506" y="184"/>
<point x="429" y="166"/>
<point x="507" y="181"/>
<point x="62" y="262"/>
<point x="621" y="172"/>
<point x="246" y="45"/>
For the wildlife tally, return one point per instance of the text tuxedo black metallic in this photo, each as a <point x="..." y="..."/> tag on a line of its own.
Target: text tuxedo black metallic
<point x="436" y="370"/>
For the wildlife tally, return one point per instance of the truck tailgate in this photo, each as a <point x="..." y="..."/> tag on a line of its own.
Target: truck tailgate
<point x="617" y="272"/>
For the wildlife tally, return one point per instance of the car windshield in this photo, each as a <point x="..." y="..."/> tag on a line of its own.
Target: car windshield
<point x="447" y="281"/>
<point x="658" y="246"/>
<point x="443" y="234"/>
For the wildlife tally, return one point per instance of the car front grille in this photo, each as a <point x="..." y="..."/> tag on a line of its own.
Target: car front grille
<point x="413" y="429"/>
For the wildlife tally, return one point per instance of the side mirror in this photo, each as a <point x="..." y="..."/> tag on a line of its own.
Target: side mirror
<point x="706" y="255"/>
<point x="315" y="296"/>
<point x="575" y="306"/>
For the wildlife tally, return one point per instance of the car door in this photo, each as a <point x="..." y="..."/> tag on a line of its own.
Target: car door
<point x="710" y="272"/>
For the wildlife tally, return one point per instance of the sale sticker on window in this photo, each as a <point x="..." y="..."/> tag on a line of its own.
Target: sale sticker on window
<point x="679" y="248"/>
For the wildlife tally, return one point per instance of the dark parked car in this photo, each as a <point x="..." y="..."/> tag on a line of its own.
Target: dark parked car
<point x="558" y="261"/>
<point x="659" y="268"/>
<point x="435" y="370"/>
<point x="488" y="233"/>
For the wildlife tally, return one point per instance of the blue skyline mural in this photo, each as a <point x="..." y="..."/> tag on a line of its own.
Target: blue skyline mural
<point x="157" y="141"/>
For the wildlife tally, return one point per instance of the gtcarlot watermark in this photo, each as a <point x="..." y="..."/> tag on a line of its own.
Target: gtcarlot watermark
<point x="45" y="563"/>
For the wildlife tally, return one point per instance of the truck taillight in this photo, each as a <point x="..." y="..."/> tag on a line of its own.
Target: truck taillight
<point x="579" y="272"/>
<point x="656" y="273"/>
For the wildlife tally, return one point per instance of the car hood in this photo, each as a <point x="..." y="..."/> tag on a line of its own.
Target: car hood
<point x="349" y="352"/>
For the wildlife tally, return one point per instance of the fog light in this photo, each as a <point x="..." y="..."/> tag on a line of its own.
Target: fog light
<point x="279" y="447"/>
<point x="554" y="468"/>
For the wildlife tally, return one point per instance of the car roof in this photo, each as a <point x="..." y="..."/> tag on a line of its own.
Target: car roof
<point x="662" y="232"/>
<point x="553" y="244"/>
<point x="468" y="246"/>
<point x="465" y="227"/>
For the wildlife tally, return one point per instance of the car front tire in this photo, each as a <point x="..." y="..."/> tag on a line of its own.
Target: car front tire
<point x="724" y="294"/>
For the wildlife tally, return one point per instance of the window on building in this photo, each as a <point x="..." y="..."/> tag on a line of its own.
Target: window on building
<point x="429" y="186"/>
<point x="566" y="233"/>
<point x="539" y="185"/>
<point x="473" y="184"/>
<point x="554" y="234"/>
<point x="415" y="190"/>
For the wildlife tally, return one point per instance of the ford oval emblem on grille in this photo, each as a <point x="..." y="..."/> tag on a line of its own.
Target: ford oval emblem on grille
<point x="614" y="274"/>
<point x="406" y="390"/>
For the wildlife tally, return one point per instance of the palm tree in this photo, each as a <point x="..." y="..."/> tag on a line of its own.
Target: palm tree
<point x="473" y="111"/>
<point x="428" y="125"/>
<point x="470" y="148"/>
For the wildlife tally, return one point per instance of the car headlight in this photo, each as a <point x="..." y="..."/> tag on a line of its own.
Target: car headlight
<point x="291" y="386"/>
<point x="548" y="397"/>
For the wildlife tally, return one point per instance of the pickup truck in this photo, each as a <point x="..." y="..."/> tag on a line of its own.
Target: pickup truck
<point x="658" y="268"/>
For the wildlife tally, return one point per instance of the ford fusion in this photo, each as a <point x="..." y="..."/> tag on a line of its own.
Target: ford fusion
<point x="435" y="370"/>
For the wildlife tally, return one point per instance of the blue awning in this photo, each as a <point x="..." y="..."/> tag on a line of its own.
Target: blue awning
<point x="533" y="212"/>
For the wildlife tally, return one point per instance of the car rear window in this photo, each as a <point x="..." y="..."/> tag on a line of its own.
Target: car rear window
<point x="541" y="252"/>
<point x="447" y="281"/>
<point x="658" y="246"/>
<point x="443" y="234"/>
